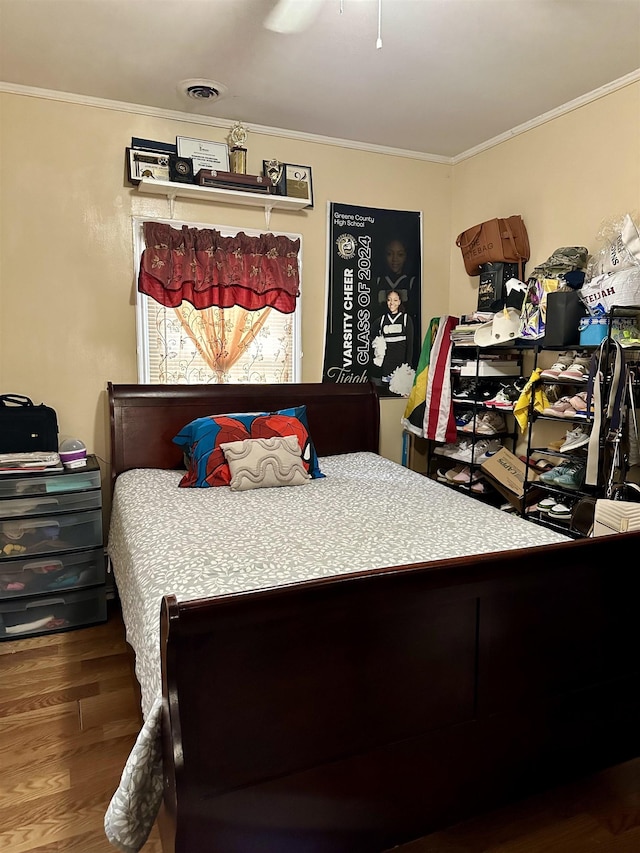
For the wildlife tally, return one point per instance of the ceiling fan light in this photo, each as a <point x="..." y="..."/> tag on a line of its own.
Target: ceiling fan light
<point x="292" y="16"/>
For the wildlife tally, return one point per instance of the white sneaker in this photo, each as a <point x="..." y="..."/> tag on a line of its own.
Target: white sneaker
<point x="559" y="512"/>
<point x="486" y="448"/>
<point x="575" y="438"/>
<point x="546" y="504"/>
<point x="465" y="452"/>
<point x="447" y="449"/>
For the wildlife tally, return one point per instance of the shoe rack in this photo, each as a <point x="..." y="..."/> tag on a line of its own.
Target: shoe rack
<point x="557" y="439"/>
<point x="482" y="379"/>
<point x="560" y="434"/>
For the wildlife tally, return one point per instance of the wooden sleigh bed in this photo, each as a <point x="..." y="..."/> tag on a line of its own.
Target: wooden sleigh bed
<point x="359" y="711"/>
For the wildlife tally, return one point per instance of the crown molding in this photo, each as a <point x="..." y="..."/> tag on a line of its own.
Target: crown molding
<point x="569" y="107"/>
<point x="173" y="115"/>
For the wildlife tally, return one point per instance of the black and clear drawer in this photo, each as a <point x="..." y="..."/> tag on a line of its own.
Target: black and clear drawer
<point x="22" y="485"/>
<point x="26" y="537"/>
<point x="50" y="575"/>
<point x="28" y="617"/>
<point x="49" y="504"/>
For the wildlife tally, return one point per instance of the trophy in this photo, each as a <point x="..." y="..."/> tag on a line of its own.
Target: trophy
<point x="238" y="153"/>
<point x="274" y="170"/>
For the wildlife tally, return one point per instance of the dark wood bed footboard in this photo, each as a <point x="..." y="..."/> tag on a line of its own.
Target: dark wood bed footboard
<point x="356" y="713"/>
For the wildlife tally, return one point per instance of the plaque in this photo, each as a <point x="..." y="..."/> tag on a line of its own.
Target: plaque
<point x="232" y="181"/>
<point x="298" y="182"/>
<point x="147" y="164"/>
<point x="180" y="169"/>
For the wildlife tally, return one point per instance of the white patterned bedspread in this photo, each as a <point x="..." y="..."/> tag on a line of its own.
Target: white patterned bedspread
<point x="367" y="513"/>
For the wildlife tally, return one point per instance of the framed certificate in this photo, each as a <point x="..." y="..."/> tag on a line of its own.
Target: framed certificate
<point x="204" y="153"/>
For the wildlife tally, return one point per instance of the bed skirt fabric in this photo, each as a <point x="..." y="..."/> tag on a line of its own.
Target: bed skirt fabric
<point x="368" y="512"/>
<point x="135" y="804"/>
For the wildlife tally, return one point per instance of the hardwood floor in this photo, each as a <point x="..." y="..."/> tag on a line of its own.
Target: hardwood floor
<point x="69" y="715"/>
<point x="68" y="719"/>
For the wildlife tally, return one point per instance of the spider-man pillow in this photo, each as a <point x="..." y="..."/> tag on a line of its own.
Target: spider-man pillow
<point x="201" y="440"/>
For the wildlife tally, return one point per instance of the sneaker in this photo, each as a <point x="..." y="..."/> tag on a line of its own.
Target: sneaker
<point x="577" y="372"/>
<point x="504" y="399"/>
<point x="452" y="473"/>
<point x="575" y="438"/>
<point x="465" y="476"/>
<point x="559" y="512"/>
<point x="474" y="393"/>
<point x="464" y="418"/>
<point x="556" y="445"/>
<point x="441" y="473"/>
<point x="546" y="504"/>
<point x="565" y="360"/>
<point x="464" y="393"/>
<point x="562" y="408"/>
<point x="490" y="423"/>
<point x="447" y="449"/>
<point x="550" y="477"/>
<point x="579" y="403"/>
<point x="572" y="477"/>
<point x="485" y="448"/>
<point x="463" y="451"/>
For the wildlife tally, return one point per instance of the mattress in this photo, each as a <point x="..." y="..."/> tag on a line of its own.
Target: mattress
<point x="368" y="512"/>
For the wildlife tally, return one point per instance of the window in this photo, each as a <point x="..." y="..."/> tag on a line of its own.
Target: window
<point x="214" y="345"/>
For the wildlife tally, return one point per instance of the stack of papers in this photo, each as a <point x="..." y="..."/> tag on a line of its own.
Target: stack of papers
<point x="27" y="462"/>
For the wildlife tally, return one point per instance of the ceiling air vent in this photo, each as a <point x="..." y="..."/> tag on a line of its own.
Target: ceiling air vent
<point x="202" y="90"/>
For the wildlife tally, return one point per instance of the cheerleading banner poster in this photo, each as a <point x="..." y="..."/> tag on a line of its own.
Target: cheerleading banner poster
<point x="373" y="297"/>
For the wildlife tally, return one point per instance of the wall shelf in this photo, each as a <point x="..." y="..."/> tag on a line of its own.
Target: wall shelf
<point x="173" y="190"/>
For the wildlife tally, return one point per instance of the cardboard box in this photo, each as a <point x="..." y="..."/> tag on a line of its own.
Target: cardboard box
<point x="507" y="473"/>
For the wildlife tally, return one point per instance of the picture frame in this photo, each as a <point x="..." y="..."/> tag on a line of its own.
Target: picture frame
<point x="298" y="182"/>
<point x="154" y="145"/>
<point x="204" y="153"/>
<point x="147" y="164"/>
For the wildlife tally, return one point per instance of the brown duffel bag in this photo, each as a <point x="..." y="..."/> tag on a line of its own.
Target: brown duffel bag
<point x="496" y="240"/>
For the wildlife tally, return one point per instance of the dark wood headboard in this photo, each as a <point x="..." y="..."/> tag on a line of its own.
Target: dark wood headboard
<point x="145" y="418"/>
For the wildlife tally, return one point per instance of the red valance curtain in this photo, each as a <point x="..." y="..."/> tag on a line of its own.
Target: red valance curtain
<point x="200" y="266"/>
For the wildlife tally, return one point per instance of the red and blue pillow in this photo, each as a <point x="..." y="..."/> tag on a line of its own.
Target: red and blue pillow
<point x="201" y="440"/>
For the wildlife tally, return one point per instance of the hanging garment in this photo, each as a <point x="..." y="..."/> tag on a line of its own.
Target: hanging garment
<point x="523" y="403"/>
<point x="608" y="412"/>
<point x="413" y="418"/>
<point x="439" y="423"/>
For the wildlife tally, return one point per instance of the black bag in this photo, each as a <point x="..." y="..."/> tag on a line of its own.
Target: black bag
<point x="24" y="427"/>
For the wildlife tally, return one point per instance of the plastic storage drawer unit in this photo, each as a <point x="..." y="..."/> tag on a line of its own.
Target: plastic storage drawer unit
<point x="12" y="486"/>
<point x="23" y="537"/>
<point x="49" y="575"/>
<point x="28" y="617"/>
<point x="50" y="504"/>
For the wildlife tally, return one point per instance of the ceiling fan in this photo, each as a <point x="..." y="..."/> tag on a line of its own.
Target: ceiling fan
<point x="292" y="16"/>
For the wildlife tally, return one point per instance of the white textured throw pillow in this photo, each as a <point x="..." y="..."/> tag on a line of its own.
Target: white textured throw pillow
<point x="259" y="463"/>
